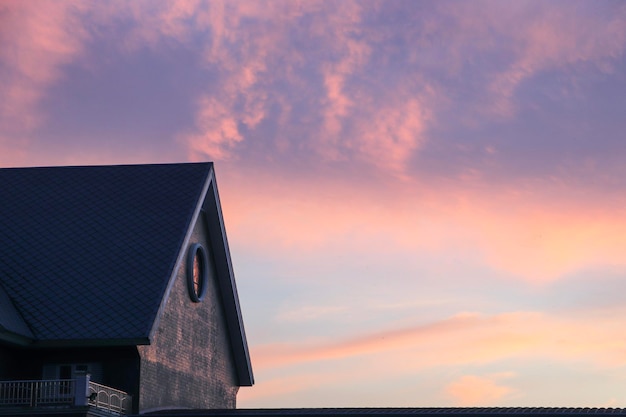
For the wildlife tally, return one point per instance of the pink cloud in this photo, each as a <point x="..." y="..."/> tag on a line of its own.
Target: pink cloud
<point x="284" y="355"/>
<point x="390" y="136"/>
<point x="238" y="97"/>
<point x="552" y="37"/>
<point x="382" y="131"/>
<point x="385" y="123"/>
<point x="37" y="40"/>
<point x="218" y="130"/>
<point x="52" y="34"/>
<point x="153" y="23"/>
<point x="464" y="339"/>
<point x="473" y="390"/>
<point x="545" y="245"/>
<point x="340" y="36"/>
<point x="539" y="236"/>
<point x="322" y="57"/>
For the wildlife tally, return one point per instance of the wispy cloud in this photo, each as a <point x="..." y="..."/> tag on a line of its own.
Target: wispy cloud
<point x="329" y="82"/>
<point x="467" y="338"/>
<point x="538" y="236"/>
<point x="479" y="142"/>
<point x="464" y="341"/>
<point x="552" y="38"/>
<point x="51" y="34"/>
<point x="471" y="326"/>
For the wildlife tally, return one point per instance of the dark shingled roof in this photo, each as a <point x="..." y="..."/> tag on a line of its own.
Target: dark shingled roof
<point x="86" y="253"/>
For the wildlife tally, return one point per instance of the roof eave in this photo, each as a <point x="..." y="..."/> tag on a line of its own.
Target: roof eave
<point x="70" y="343"/>
<point x="15" y="338"/>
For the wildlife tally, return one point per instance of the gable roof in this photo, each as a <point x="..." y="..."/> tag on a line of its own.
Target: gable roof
<point x="87" y="253"/>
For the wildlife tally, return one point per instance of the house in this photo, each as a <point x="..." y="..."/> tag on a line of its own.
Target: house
<point x="117" y="292"/>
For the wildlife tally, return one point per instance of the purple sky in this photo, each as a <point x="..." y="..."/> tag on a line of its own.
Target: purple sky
<point x="425" y="201"/>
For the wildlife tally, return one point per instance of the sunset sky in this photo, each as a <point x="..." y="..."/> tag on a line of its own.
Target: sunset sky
<point x="425" y="201"/>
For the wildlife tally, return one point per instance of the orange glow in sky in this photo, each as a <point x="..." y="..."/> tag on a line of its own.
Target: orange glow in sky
<point x="425" y="201"/>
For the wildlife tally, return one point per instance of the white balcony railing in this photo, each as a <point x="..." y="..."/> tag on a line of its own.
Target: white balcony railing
<point x="64" y="392"/>
<point x="37" y="393"/>
<point x="108" y="398"/>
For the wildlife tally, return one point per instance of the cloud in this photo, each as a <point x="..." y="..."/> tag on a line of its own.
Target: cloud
<point x="337" y="85"/>
<point x="346" y="130"/>
<point x="473" y="390"/>
<point x="315" y="82"/>
<point x="331" y="88"/>
<point x="543" y="246"/>
<point x="154" y="23"/>
<point x="219" y="130"/>
<point x="303" y="72"/>
<point x="533" y="38"/>
<point x="465" y="339"/>
<point x="539" y="234"/>
<point x="485" y="339"/>
<point x="244" y="41"/>
<point x="345" y="41"/>
<point x="460" y="344"/>
<point x="37" y="40"/>
<point x="389" y="137"/>
<point x="53" y="35"/>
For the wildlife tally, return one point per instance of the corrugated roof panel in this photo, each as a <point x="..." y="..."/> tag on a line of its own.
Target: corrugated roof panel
<point x="397" y="412"/>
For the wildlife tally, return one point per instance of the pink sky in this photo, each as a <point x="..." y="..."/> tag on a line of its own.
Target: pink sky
<point x="425" y="201"/>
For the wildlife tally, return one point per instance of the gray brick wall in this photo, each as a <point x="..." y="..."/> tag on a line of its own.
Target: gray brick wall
<point x="189" y="363"/>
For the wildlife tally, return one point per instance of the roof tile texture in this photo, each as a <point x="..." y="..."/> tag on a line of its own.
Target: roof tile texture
<point x="86" y="253"/>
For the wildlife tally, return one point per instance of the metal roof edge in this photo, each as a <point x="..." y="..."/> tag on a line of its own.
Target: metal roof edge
<point x="399" y="412"/>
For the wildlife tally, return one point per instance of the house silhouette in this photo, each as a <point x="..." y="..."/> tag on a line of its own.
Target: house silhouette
<point x="116" y="285"/>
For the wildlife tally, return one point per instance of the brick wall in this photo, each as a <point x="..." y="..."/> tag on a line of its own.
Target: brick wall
<point x="189" y="363"/>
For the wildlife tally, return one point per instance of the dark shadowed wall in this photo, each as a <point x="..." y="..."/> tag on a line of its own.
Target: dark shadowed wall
<point x="189" y="363"/>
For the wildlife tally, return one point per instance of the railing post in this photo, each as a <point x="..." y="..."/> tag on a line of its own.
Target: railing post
<point x="81" y="390"/>
<point x="33" y="395"/>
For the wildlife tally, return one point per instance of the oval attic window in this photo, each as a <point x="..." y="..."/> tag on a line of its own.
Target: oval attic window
<point x="197" y="273"/>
